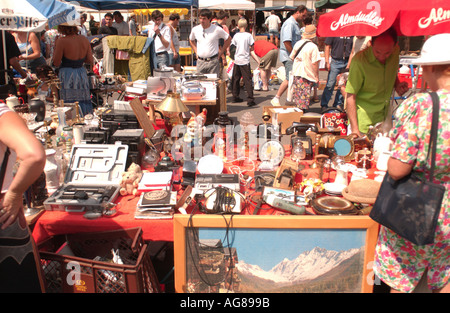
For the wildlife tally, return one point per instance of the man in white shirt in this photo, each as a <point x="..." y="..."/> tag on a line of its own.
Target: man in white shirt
<point x="204" y="40"/>
<point x="244" y="46"/>
<point x="273" y="24"/>
<point x="162" y="36"/>
<point x="120" y="24"/>
<point x="83" y="30"/>
<point x="305" y="69"/>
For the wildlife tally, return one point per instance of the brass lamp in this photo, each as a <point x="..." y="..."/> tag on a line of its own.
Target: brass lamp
<point x="172" y="105"/>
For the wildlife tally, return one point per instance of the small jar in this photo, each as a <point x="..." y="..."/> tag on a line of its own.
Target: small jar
<point x="298" y="152"/>
<point x="67" y="137"/>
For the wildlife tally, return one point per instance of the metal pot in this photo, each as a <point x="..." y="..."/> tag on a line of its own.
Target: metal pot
<point x="37" y="106"/>
<point x="93" y="81"/>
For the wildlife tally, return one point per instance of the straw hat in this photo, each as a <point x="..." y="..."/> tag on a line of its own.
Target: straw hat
<point x="436" y="50"/>
<point x="362" y="191"/>
<point x="310" y="32"/>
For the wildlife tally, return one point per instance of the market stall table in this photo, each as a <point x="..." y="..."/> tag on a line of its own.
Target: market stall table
<point x="52" y="223"/>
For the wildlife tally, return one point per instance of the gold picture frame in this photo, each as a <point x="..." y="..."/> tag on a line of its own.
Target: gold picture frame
<point x="244" y="234"/>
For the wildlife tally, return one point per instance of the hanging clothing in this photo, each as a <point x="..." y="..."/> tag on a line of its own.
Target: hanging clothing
<point x="140" y="56"/>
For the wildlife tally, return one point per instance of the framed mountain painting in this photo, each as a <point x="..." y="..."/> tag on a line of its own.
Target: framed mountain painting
<point x="274" y="254"/>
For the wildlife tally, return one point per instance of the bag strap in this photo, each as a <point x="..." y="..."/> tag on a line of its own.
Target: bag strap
<point x="433" y="132"/>
<point x="300" y="49"/>
<point x="3" y="169"/>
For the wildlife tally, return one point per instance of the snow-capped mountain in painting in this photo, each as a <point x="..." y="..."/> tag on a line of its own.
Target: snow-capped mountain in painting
<point x="307" y="266"/>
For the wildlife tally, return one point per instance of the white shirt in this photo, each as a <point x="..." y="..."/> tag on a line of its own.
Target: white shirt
<point x="273" y="22"/>
<point x="303" y="63"/>
<point x="122" y="28"/>
<point x="83" y="30"/>
<point x="165" y="33"/>
<point x="208" y="39"/>
<point x="243" y="41"/>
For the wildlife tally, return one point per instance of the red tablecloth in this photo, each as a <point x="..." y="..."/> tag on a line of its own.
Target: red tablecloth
<point x="57" y="222"/>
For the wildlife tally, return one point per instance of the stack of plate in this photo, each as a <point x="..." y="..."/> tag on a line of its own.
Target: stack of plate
<point x="333" y="206"/>
<point x="334" y="189"/>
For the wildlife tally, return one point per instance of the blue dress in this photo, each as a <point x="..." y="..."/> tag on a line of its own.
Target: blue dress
<point x="75" y="84"/>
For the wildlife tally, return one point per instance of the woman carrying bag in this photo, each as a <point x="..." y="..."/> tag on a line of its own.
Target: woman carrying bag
<point x="399" y="262"/>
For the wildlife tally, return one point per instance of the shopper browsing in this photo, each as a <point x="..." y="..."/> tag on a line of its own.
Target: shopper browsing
<point x="398" y="262"/>
<point x="162" y="35"/>
<point x="244" y="45"/>
<point x="204" y="40"/>
<point x="305" y="69"/>
<point x="273" y="24"/>
<point x="266" y="55"/>
<point x="289" y="35"/>
<point x="371" y="81"/>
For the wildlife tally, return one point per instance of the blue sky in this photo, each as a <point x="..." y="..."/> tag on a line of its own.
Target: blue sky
<point x="277" y="244"/>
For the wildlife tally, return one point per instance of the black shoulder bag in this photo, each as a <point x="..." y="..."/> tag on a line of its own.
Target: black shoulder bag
<point x="410" y="206"/>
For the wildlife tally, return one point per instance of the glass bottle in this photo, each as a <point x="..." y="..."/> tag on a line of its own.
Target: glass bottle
<point x="61" y="124"/>
<point x="52" y="171"/>
<point x="298" y="151"/>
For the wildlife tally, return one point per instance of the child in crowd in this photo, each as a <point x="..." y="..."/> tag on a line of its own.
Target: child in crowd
<point x="244" y="45"/>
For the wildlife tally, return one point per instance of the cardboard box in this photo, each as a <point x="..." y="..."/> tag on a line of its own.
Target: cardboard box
<point x="285" y="115"/>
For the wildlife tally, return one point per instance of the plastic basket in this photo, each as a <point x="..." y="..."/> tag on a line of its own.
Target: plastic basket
<point x="81" y="263"/>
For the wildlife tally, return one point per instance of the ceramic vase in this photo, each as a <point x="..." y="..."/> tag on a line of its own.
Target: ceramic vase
<point x="52" y="171"/>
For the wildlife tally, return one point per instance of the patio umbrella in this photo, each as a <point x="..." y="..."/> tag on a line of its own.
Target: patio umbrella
<point x="372" y="17"/>
<point x="32" y="15"/>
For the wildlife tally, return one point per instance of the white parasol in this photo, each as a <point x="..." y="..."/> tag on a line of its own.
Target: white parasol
<point x="32" y="16"/>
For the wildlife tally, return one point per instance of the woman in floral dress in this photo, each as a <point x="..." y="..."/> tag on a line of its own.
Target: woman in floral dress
<point x="398" y="262"/>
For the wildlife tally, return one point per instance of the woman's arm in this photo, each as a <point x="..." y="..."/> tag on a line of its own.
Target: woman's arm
<point x="58" y="52"/>
<point x="15" y="134"/>
<point x="398" y="169"/>
<point x="36" y="45"/>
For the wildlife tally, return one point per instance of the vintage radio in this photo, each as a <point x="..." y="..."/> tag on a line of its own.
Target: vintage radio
<point x="209" y="181"/>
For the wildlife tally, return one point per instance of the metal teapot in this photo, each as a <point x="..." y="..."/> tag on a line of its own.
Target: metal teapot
<point x="36" y="105"/>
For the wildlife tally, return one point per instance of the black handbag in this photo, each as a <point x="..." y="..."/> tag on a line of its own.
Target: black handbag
<point x="410" y="206"/>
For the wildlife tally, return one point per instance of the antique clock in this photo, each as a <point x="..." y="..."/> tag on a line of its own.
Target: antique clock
<point x="271" y="153"/>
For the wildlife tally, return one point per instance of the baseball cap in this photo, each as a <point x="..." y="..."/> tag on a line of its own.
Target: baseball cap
<point x="436" y="50"/>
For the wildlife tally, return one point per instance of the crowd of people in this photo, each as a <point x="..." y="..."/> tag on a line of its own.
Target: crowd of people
<point x="365" y="69"/>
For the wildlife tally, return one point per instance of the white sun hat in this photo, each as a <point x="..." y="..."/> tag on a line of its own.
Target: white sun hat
<point x="436" y="50"/>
